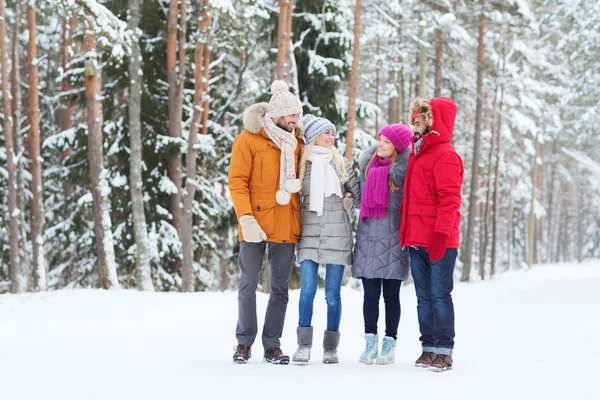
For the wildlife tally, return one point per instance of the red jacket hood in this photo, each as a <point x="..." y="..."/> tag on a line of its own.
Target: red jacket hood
<point x="443" y="114"/>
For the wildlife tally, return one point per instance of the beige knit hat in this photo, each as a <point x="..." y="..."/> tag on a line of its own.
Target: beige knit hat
<point x="283" y="102"/>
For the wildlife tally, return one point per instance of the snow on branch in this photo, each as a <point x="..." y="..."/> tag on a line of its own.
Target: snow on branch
<point x="584" y="160"/>
<point x="112" y="32"/>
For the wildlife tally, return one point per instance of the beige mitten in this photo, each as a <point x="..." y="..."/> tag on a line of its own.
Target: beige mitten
<point x="251" y="230"/>
<point x="347" y="202"/>
<point x="293" y="185"/>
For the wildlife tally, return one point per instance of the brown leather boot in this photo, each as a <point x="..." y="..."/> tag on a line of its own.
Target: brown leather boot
<point x="274" y="355"/>
<point x="442" y="363"/>
<point x="426" y="360"/>
<point x="242" y="354"/>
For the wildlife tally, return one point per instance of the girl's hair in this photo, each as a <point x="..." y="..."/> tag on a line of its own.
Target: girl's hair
<point x="395" y="157"/>
<point x="338" y="162"/>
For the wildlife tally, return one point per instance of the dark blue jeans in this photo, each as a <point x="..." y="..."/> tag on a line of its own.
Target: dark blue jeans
<point x="391" y="297"/>
<point x="333" y="283"/>
<point x="433" y="284"/>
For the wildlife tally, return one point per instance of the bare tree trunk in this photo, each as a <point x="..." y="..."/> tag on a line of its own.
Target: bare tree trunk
<point x="497" y="185"/>
<point x="13" y="212"/>
<point x="393" y="107"/>
<point x="439" y="47"/>
<point x="488" y="209"/>
<point x="283" y="40"/>
<point x="107" y="269"/>
<point x="66" y="111"/>
<point x="377" y="83"/>
<point x="551" y="201"/>
<point x="353" y="83"/>
<point x="511" y="210"/>
<point x="531" y="228"/>
<point x="19" y="148"/>
<point x="175" y="109"/>
<point x="201" y="90"/>
<point x="37" y="202"/>
<point x="422" y="64"/>
<point x="476" y="146"/>
<point x="142" y="243"/>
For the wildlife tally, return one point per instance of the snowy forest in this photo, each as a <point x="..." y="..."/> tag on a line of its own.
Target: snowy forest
<point x="117" y="119"/>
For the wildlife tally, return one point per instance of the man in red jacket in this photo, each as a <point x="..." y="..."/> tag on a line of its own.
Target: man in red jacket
<point x="430" y="221"/>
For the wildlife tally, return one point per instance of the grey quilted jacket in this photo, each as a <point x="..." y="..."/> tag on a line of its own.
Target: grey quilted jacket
<point x="327" y="239"/>
<point x="377" y="253"/>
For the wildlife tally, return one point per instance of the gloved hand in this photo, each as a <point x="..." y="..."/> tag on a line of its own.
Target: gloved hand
<point x="437" y="246"/>
<point x="293" y="185"/>
<point x="347" y="202"/>
<point x="251" y="230"/>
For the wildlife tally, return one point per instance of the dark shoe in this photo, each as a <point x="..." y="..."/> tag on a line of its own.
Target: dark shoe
<point x="426" y="360"/>
<point x="274" y="355"/>
<point x="442" y="363"/>
<point x="242" y="354"/>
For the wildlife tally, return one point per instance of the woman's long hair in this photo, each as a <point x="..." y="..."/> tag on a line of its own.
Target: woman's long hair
<point x="338" y="162"/>
<point x="395" y="157"/>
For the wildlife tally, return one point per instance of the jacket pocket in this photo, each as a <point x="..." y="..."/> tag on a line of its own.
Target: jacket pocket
<point x="263" y="208"/>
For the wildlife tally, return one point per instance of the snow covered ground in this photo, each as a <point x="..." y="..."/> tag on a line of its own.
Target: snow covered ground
<point x="523" y="335"/>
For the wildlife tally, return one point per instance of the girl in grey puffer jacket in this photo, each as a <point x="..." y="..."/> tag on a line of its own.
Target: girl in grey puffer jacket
<point x="329" y="190"/>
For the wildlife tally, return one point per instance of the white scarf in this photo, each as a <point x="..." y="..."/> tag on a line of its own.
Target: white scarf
<point x="287" y="142"/>
<point x="324" y="181"/>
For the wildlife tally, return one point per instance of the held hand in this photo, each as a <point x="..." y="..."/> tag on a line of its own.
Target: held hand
<point x="347" y="202"/>
<point x="251" y="230"/>
<point x="437" y="246"/>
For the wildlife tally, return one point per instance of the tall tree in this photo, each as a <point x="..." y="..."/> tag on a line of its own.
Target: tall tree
<point x="10" y="158"/>
<point x="439" y="47"/>
<point x="175" y="110"/>
<point x="201" y="62"/>
<point x="15" y="85"/>
<point x="284" y="38"/>
<point x="107" y="268"/>
<point x="37" y="201"/>
<point x="136" y="182"/>
<point x="466" y="273"/>
<point x="353" y="83"/>
<point x="66" y="108"/>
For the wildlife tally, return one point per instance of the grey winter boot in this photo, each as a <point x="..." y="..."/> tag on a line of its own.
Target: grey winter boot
<point x="330" y="345"/>
<point x="305" y="341"/>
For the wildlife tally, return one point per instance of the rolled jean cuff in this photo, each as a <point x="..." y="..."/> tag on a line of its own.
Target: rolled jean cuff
<point x="444" y="351"/>
<point x="428" y="349"/>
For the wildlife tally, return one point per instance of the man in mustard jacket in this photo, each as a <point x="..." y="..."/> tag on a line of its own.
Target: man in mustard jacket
<point x="263" y="186"/>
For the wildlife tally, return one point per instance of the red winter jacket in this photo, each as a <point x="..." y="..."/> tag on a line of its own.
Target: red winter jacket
<point x="433" y="180"/>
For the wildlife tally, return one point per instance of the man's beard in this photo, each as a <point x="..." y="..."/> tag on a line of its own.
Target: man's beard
<point x="284" y="127"/>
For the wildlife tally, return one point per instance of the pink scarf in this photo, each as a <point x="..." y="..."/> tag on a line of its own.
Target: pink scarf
<point x="375" y="196"/>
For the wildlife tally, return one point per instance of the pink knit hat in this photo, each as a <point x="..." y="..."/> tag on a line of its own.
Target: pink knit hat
<point x="400" y="135"/>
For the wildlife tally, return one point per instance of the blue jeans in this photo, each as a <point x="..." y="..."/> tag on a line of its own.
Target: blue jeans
<point x="433" y="284"/>
<point x="333" y="283"/>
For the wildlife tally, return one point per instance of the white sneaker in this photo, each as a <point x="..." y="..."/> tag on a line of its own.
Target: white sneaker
<point x="370" y="353"/>
<point x="388" y="351"/>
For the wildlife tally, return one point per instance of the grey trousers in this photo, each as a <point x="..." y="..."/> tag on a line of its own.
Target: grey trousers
<point x="281" y="257"/>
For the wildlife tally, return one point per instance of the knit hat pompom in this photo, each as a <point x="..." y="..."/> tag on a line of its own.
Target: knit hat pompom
<point x="278" y="85"/>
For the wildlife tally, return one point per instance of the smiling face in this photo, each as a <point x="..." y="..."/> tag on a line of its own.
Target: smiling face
<point x="325" y="139"/>
<point x="420" y="126"/>
<point x="385" y="148"/>
<point x="287" y="122"/>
